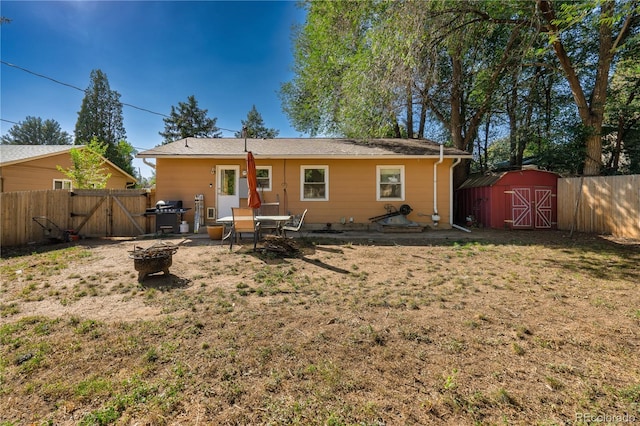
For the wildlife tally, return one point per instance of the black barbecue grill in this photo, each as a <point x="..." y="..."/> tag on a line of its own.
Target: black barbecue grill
<point x="168" y="215"/>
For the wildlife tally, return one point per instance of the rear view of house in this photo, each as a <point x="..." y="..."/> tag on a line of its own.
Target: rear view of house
<point x="340" y="182"/>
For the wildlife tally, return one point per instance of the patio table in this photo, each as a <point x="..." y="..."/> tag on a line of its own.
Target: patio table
<point x="278" y="220"/>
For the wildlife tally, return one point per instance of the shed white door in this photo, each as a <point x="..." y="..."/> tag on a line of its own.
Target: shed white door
<point x="532" y="208"/>
<point x="521" y="207"/>
<point x="544" y="208"/>
<point x="227" y="189"/>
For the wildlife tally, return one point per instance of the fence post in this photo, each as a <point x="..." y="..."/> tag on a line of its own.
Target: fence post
<point x="575" y="212"/>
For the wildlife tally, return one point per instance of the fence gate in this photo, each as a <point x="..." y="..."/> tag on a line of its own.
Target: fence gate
<point x="106" y="213"/>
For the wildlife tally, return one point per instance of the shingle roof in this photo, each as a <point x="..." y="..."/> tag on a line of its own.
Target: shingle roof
<point x="300" y="148"/>
<point x="11" y="154"/>
<point x="15" y="154"/>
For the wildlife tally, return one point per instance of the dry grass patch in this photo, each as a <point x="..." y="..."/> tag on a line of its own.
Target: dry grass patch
<point x="518" y="327"/>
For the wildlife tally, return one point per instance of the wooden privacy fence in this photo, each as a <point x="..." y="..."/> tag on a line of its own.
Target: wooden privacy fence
<point x="600" y="204"/>
<point x="91" y="213"/>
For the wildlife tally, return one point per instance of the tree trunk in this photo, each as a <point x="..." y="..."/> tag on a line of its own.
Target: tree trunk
<point x="396" y="129"/>
<point x="512" y="102"/>
<point x="591" y="112"/>
<point x="456" y="104"/>
<point x="423" y="117"/>
<point x="409" y="112"/>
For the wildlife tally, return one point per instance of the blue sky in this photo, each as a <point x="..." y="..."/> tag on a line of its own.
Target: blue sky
<point x="230" y="55"/>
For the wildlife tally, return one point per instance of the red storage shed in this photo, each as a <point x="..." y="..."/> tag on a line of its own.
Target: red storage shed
<point x="520" y="199"/>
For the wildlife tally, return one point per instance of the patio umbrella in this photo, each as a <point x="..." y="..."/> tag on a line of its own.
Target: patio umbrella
<point x="252" y="181"/>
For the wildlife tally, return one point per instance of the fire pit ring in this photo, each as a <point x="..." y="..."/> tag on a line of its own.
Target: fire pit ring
<point x="157" y="258"/>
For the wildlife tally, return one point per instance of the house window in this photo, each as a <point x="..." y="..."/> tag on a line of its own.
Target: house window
<point x="263" y="174"/>
<point x="61" y="184"/>
<point x="315" y="183"/>
<point x="390" y="183"/>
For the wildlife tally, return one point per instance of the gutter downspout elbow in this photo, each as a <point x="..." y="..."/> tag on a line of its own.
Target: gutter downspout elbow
<point x="455" y="163"/>
<point x="145" y="161"/>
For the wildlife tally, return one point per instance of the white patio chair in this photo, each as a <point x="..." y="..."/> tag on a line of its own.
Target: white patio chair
<point x="295" y="227"/>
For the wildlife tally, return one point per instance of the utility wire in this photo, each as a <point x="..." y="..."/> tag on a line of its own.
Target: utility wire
<point x="40" y="75"/>
<point x="74" y="87"/>
<point x="82" y="90"/>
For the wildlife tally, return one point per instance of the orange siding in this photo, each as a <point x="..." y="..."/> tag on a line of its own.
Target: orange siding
<point x="352" y="187"/>
<point x="38" y="174"/>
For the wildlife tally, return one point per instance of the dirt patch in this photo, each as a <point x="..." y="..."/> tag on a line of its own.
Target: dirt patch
<point x="457" y="328"/>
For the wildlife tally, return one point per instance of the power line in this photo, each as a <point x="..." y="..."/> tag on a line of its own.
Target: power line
<point x="82" y="90"/>
<point x="74" y="87"/>
<point x="41" y="76"/>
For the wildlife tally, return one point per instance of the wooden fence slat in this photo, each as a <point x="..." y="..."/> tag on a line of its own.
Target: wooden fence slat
<point x="17" y="210"/>
<point x="607" y="205"/>
<point x="127" y="214"/>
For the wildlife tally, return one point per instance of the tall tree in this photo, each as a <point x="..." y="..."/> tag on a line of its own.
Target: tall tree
<point x="331" y="91"/>
<point x="622" y="116"/>
<point x="612" y="24"/>
<point x="87" y="169"/>
<point x="189" y="121"/>
<point x="34" y="131"/>
<point x="100" y="117"/>
<point x="255" y="126"/>
<point x="373" y="69"/>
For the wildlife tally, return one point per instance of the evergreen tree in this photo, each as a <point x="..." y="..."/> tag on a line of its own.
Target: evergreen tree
<point x="255" y="126"/>
<point x="100" y="118"/>
<point x="34" y="131"/>
<point x="189" y="121"/>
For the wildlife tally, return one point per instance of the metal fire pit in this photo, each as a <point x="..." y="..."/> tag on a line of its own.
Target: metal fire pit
<point x="157" y="258"/>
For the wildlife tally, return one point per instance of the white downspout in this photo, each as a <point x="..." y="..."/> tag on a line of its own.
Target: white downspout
<point x="435" y="216"/>
<point x="455" y="163"/>
<point x="145" y="161"/>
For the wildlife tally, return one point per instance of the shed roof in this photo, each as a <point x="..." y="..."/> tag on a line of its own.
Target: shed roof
<point x="481" y="180"/>
<point x="491" y="179"/>
<point x="15" y="154"/>
<point x="301" y="148"/>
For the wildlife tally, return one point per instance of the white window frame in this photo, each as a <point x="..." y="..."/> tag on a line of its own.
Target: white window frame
<point x="270" y="186"/>
<point x="211" y="213"/>
<point x="402" y="182"/>
<point x="63" y="182"/>
<point x="326" y="182"/>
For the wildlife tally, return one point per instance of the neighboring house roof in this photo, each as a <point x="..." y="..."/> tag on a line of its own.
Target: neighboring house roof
<point x="301" y="148"/>
<point x="15" y="154"/>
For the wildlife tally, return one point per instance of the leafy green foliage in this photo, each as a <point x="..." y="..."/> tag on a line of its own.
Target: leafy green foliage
<point x="403" y="69"/>
<point x="88" y="169"/>
<point x="622" y="117"/>
<point x="35" y="131"/>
